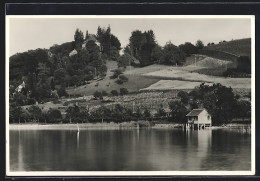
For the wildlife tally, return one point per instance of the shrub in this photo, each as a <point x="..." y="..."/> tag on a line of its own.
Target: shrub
<point x="114" y="93"/>
<point x="104" y="93"/>
<point x="119" y="81"/>
<point x="123" y="91"/>
<point x="123" y="78"/>
<point x="62" y="92"/>
<point x="116" y="73"/>
<point x="97" y="94"/>
<point x="54" y="115"/>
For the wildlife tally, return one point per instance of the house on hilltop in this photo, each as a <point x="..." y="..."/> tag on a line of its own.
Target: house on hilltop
<point x="20" y="87"/>
<point x="198" y="118"/>
<point x="91" y="37"/>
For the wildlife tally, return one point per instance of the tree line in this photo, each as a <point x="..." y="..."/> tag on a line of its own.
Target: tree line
<point x="48" y="72"/>
<point x="218" y="100"/>
<point x="143" y="47"/>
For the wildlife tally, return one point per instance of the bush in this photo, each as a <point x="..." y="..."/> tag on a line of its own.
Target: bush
<point x="54" y="115"/>
<point x="97" y="94"/>
<point x="62" y="92"/>
<point x="114" y="93"/>
<point x="123" y="78"/>
<point x="124" y="60"/>
<point x="104" y="93"/>
<point x="123" y="91"/>
<point x="116" y="73"/>
<point x="119" y="81"/>
<point x="172" y="55"/>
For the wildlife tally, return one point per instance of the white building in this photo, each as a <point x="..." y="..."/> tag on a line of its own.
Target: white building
<point x="198" y="118"/>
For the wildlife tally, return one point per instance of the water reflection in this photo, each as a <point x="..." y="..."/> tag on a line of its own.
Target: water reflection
<point x="78" y="140"/>
<point x="133" y="149"/>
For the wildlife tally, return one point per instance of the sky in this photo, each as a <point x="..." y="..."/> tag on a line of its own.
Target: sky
<point x="30" y="33"/>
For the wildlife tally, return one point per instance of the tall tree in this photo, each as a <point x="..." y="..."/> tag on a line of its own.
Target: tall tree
<point x="79" y="39"/>
<point x="188" y="48"/>
<point x="199" y="44"/>
<point x="172" y="55"/>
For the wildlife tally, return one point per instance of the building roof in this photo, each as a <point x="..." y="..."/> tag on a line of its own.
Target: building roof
<point x="195" y="112"/>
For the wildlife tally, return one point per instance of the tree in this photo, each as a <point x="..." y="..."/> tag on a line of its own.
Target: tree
<point x="15" y="113"/>
<point x="115" y="42"/>
<point x="188" y="48"/>
<point x="156" y="54"/>
<point x="19" y="99"/>
<point x="35" y="112"/>
<point x="73" y="114"/>
<point x="79" y="39"/>
<point x="219" y="101"/>
<point x="199" y="44"/>
<point x="54" y="115"/>
<point x="59" y="76"/>
<point x="110" y="45"/>
<point x="172" y="55"/>
<point x="244" y="109"/>
<point x="147" y="48"/>
<point x="160" y="112"/>
<point x="244" y="64"/>
<point x="184" y="96"/>
<point x="178" y="111"/>
<point x="52" y="84"/>
<point x="62" y="92"/>
<point x="114" y="54"/>
<point x="136" y="40"/>
<point x="124" y="60"/>
<point x="138" y="113"/>
<point x="147" y="114"/>
<point x="118" y="113"/>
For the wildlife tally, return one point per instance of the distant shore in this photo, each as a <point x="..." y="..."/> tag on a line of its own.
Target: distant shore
<point x="35" y="126"/>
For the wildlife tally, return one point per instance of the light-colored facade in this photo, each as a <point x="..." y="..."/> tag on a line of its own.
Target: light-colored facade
<point x="198" y="118"/>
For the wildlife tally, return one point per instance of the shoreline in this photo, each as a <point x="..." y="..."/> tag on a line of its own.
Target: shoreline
<point x="125" y="125"/>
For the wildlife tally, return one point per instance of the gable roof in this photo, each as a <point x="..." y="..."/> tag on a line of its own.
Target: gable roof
<point x="195" y="112"/>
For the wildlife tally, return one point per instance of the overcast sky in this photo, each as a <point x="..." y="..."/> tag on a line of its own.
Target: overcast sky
<point x="31" y="33"/>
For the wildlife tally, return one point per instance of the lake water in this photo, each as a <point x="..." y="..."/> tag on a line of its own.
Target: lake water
<point x="130" y="150"/>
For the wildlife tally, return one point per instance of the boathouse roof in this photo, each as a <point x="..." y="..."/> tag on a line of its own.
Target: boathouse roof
<point x="195" y="112"/>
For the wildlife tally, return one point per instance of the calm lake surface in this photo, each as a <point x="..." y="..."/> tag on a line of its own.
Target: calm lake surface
<point x="130" y="150"/>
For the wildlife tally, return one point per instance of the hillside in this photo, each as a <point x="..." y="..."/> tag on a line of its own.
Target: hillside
<point x="241" y="47"/>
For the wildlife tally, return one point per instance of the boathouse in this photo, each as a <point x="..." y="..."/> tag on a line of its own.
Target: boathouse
<point x="198" y="118"/>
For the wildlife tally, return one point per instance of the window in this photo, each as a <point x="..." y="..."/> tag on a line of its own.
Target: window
<point x="208" y="117"/>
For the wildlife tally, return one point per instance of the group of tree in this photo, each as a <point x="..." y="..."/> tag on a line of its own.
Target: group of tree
<point x="109" y="43"/>
<point x="34" y="114"/>
<point x="143" y="47"/>
<point x="218" y="100"/>
<point x="54" y="69"/>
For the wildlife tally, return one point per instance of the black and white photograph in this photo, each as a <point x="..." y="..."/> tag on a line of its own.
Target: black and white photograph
<point x="99" y="95"/>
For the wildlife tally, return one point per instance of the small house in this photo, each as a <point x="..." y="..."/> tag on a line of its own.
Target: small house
<point x="198" y="118"/>
<point x="20" y="87"/>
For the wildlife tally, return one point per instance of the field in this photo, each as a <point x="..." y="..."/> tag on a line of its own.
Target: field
<point x="163" y="77"/>
<point x="156" y="85"/>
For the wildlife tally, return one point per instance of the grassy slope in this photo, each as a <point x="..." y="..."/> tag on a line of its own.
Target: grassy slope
<point x="238" y="47"/>
<point x="135" y="81"/>
<point x="190" y="72"/>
